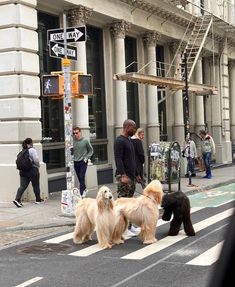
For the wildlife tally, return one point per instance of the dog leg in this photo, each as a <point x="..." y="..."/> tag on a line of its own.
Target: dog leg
<point x="188" y="227"/>
<point x="148" y="233"/>
<point x="175" y="226"/>
<point x="167" y="214"/>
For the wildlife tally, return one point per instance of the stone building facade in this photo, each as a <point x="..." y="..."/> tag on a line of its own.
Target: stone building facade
<point x="122" y="36"/>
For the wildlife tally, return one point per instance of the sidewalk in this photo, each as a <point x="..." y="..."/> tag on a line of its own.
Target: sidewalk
<point x="48" y="214"/>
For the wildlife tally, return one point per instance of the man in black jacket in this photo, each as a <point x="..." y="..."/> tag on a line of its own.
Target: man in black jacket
<point x="126" y="173"/>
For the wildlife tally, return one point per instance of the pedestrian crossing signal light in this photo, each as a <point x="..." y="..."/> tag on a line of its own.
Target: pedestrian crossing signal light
<point x="82" y="84"/>
<point x="52" y="85"/>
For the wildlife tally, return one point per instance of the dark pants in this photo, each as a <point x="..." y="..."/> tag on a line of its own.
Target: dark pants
<point x="125" y="189"/>
<point x="207" y="160"/>
<point x="190" y="165"/>
<point x="27" y="177"/>
<point x="80" y="168"/>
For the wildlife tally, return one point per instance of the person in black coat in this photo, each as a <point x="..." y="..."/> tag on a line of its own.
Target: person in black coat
<point x="139" y="154"/>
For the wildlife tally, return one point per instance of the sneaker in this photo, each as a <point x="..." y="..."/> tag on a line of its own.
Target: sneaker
<point x="135" y="230"/>
<point x="40" y="201"/>
<point x="206" y="176"/>
<point x="84" y="193"/>
<point x="127" y="233"/>
<point x="17" y="203"/>
<point x="193" y="175"/>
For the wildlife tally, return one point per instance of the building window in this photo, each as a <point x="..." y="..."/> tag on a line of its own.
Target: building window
<point x="96" y="102"/>
<point x="161" y="94"/>
<point x="52" y="110"/>
<point x="132" y="88"/>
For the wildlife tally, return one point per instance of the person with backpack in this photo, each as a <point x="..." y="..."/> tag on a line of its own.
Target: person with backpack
<point x="28" y="164"/>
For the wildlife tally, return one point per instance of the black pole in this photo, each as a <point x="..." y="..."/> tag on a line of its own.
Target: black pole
<point x="187" y="107"/>
<point x="186" y="93"/>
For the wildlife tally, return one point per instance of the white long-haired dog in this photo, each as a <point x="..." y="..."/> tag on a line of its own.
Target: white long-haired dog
<point x="143" y="210"/>
<point x="101" y="215"/>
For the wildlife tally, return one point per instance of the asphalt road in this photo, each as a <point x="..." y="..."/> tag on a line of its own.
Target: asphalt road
<point x="172" y="261"/>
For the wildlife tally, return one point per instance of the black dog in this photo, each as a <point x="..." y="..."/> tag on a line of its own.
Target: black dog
<point x="178" y="204"/>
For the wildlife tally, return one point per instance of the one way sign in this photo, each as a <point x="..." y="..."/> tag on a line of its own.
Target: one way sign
<point x="57" y="50"/>
<point x="73" y="34"/>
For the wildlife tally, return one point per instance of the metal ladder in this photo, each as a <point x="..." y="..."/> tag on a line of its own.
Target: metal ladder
<point x="195" y="43"/>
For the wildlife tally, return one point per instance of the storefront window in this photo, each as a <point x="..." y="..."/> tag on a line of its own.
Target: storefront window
<point x="132" y="88"/>
<point x="96" y="102"/>
<point x="52" y="110"/>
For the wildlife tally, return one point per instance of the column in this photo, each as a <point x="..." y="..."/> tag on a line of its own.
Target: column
<point x="153" y="129"/>
<point x="19" y="94"/>
<point x="208" y="81"/>
<point x="232" y="99"/>
<point x="78" y="17"/>
<point x="118" y="30"/>
<point x="216" y="123"/>
<point x="199" y="111"/>
<point x="178" y="127"/>
<point x="225" y="108"/>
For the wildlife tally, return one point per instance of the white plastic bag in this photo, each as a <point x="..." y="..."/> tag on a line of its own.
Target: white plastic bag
<point x="69" y="200"/>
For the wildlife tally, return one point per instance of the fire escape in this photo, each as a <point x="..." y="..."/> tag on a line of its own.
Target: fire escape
<point x="198" y="28"/>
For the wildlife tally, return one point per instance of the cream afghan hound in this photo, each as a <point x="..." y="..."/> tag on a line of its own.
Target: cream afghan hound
<point x="99" y="214"/>
<point x="143" y="210"/>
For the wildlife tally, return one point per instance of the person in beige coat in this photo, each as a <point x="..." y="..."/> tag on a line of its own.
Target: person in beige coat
<point x="190" y="153"/>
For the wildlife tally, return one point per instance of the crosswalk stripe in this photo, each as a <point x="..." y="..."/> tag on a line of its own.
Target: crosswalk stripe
<point x="87" y="251"/>
<point x="95" y="248"/>
<point x="208" y="257"/>
<point x="29" y="282"/>
<point x="169" y="240"/>
<point x="60" y="238"/>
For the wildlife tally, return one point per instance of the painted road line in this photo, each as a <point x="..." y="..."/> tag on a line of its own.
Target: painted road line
<point x="60" y="238"/>
<point x="161" y="222"/>
<point x="29" y="282"/>
<point x="68" y="236"/>
<point x="170" y="240"/>
<point x="95" y="248"/>
<point x="209" y="257"/>
<point x="87" y="251"/>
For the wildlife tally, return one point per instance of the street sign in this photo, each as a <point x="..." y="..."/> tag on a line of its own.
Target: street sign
<point x="73" y="34"/>
<point x="57" y="50"/>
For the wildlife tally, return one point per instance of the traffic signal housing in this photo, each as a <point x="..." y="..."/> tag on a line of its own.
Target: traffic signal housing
<point x="82" y="84"/>
<point x="52" y="85"/>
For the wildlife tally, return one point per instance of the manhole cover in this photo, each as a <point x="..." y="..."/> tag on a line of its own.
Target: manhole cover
<point x="43" y="248"/>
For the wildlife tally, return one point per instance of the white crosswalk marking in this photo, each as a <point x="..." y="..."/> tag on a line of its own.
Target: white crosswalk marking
<point x="209" y="257"/>
<point x="169" y="240"/>
<point x="29" y="282"/>
<point x="87" y="251"/>
<point x="60" y="239"/>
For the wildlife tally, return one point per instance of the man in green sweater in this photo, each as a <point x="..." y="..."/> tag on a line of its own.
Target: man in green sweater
<point x="82" y="152"/>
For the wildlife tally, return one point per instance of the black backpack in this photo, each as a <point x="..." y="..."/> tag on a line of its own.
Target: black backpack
<point x="23" y="161"/>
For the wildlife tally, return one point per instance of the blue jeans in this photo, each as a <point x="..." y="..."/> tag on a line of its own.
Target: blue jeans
<point x="207" y="160"/>
<point x="80" y="168"/>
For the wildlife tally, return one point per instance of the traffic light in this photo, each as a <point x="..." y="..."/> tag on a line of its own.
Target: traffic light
<point x="82" y="84"/>
<point x="52" y="85"/>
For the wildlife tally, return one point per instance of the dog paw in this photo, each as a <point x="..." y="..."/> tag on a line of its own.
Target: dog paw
<point x="118" y="241"/>
<point x="150" y="241"/>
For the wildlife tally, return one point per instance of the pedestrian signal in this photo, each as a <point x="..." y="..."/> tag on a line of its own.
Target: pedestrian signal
<point x="52" y="85"/>
<point x="82" y="84"/>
